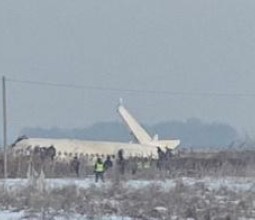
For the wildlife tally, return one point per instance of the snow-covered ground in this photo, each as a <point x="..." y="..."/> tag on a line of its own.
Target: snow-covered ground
<point x="231" y="183"/>
<point x="236" y="184"/>
<point x="9" y="215"/>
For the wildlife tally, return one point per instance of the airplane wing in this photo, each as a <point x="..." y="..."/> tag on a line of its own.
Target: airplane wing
<point x="138" y="131"/>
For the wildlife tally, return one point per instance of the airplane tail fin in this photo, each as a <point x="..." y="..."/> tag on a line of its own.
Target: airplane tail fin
<point x="141" y="134"/>
<point x="137" y="130"/>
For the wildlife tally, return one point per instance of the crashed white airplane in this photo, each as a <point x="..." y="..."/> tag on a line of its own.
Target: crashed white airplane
<point x="146" y="146"/>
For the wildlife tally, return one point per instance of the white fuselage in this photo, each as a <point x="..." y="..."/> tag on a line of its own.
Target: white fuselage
<point x="71" y="147"/>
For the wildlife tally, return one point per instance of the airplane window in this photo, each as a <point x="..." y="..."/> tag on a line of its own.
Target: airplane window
<point x="65" y="153"/>
<point x="59" y="153"/>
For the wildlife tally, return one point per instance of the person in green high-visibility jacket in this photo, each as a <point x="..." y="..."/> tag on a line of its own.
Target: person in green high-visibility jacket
<point x="99" y="170"/>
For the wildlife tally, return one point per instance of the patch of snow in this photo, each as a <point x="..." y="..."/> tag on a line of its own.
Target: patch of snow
<point x="8" y="215"/>
<point x="234" y="184"/>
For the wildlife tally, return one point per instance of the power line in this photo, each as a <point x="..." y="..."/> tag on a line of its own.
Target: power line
<point x="126" y="90"/>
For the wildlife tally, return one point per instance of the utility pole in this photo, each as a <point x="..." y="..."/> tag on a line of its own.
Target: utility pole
<point x="4" y="128"/>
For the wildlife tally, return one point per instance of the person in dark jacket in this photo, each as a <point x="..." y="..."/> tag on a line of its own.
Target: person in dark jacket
<point x="75" y="164"/>
<point x="169" y="154"/>
<point x="161" y="158"/>
<point x="99" y="170"/>
<point x="108" y="162"/>
<point x="121" y="162"/>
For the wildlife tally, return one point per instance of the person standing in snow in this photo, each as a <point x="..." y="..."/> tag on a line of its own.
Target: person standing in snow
<point x="108" y="163"/>
<point x="99" y="170"/>
<point x="75" y="164"/>
<point x="121" y="161"/>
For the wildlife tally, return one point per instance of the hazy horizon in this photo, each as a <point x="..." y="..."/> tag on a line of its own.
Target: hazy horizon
<point x="168" y="60"/>
<point x="193" y="133"/>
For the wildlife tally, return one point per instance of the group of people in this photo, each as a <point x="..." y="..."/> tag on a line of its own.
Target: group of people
<point x="100" y="166"/>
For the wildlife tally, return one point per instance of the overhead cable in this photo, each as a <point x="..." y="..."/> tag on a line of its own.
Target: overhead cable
<point x="126" y="90"/>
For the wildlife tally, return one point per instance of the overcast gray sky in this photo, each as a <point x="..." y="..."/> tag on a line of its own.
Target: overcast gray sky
<point x="196" y="46"/>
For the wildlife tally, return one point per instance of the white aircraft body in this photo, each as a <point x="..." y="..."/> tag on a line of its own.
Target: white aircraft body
<point x="146" y="146"/>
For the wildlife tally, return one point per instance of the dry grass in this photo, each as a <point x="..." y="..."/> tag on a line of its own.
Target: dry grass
<point x="224" y="163"/>
<point x="151" y="202"/>
<point x="181" y="202"/>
